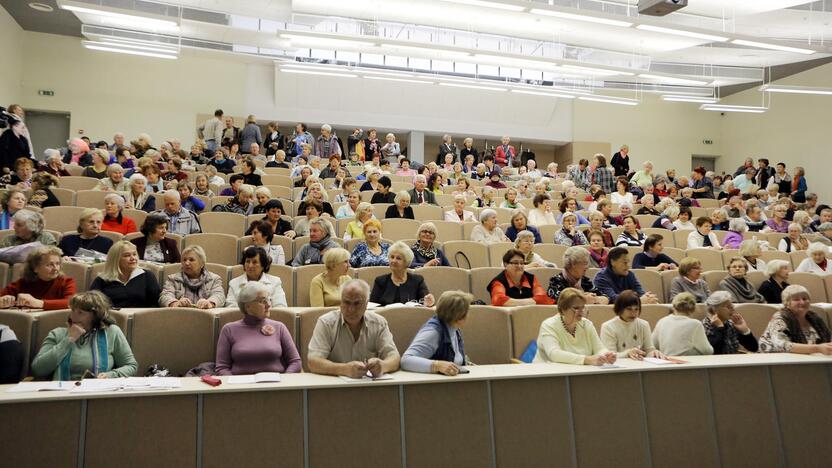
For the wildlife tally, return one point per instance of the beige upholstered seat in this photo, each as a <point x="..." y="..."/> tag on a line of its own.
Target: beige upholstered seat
<point x="22" y="324"/>
<point x="487" y="335"/>
<point x="219" y="248"/>
<point x="472" y="254"/>
<point x="405" y="322"/>
<point x="176" y="338"/>
<point x="441" y="279"/>
<point x="62" y="218"/>
<point x="480" y="278"/>
<point x="78" y="182"/>
<point x="223" y="223"/>
<point x="90" y="198"/>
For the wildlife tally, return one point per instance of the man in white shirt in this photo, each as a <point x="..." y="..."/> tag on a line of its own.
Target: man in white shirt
<point x="212" y="130"/>
<point x="744" y="181"/>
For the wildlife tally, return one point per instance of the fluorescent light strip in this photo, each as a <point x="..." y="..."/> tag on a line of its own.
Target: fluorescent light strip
<point x="312" y="67"/>
<point x="400" y="80"/>
<point x="132" y="46"/>
<point x="121" y="16"/>
<point x="698" y="99"/>
<point x="119" y="41"/>
<point x="795" y="89"/>
<point x="679" y="32"/>
<point x="610" y="100"/>
<point x="381" y="73"/>
<point x="326" y="41"/>
<point x="130" y="52"/>
<point x="542" y="93"/>
<point x="573" y="16"/>
<point x="764" y="45"/>
<point x="309" y="72"/>
<point x="510" y="61"/>
<point x="673" y="80"/>
<point x="428" y="50"/>
<point x="727" y="108"/>
<point x="461" y="85"/>
<point x="482" y="3"/>
<point x="597" y="71"/>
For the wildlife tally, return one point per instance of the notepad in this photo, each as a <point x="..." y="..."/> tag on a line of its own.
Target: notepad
<point x="23" y="387"/>
<point x="610" y="366"/>
<point x="657" y="361"/>
<point x="260" y="377"/>
<point x="367" y="377"/>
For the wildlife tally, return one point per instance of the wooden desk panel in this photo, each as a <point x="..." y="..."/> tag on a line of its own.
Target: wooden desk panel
<point x="40" y="434"/>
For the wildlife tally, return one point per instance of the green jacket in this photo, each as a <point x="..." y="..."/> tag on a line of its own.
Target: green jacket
<point x="56" y="346"/>
<point x="44" y="238"/>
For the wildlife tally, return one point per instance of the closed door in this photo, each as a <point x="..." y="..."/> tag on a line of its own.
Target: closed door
<point x="48" y="130"/>
<point x="708" y="162"/>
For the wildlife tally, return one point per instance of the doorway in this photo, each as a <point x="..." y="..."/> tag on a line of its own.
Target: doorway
<point x="48" y="129"/>
<point x="704" y="160"/>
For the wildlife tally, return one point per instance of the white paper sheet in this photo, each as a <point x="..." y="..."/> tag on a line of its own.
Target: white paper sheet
<point x="260" y="377"/>
<point x="367" y="377"/>
<point x="23" y="387"/>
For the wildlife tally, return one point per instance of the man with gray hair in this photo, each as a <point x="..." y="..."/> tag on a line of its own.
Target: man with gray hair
<point x="118" y="140"/>
<point x="327" y="144"/>
<point x="419" y="194"/>
<point x="352" y="341"/>
<point x="825" y="237"/>
<point x="182" y="221"/>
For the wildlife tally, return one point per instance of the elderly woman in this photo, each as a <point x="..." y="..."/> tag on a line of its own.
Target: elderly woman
<point x="371" y="252"/>
<point x="262" y="236"/>
<point x="778" y="275"/>
<point x="678" y="334"/>
<point x="256" y="343"/>
<point x="652" y="257"/>
<point x="520" y="222"/>
<point x="569" y="235"/>
<point x="778" y="221"/>
<point x="648" y="206"/>
<point x="487" y="200"/>
<point x="668" y="218"/>
<point x="320" y="239"/>
<point x="621" y="195"/>
<point x="426" y="252"/>
<point x="325" y="288"/>
<point x="317" y="193"/>
<point x="100" y="161"/>
<point x="795" y="328"/>
<point x="816" y="261"/>
<point x="312" y="210"/>
<point x="241" y="203"/>
<point x="541" y="214"/>
<point x="525" y="243"/>
<point x="256" y="263"/>
<point x="371" y="184"/>
<point x="510" y="199"/>
<point x="736" y="283"/>
<point x="702" y="235"/>
<point x="54" y="164"/>
<point x="137" y="196"/>
<point x="194" y="286"/>
<point x="514" y="286"/>
<point x="401" y="208"/>
<point x="794" y="241"/>
<point x="630" y="236"/>
<point x="355" y="228"/>
<point x="90" y="343"/>
<point x="725" y="328"/>
<point x="570" y="205"/>
<point x="487" y="232"/>
<point x="115" y="181"/>
<point x="734" y="238"/>
<point x="28" y="227"/>
<point x="123" y="282"/>
<point x="12" y="201"/>
<point x="189" y="201"/>
<point x="202" y="185"/>
<point x="575" y="263"/>
<point x="154" y="245"/>
<point x="690" y="280"/>
<point x="459" y="214"/>
<point x="89" y="234"/>
<point x="627" y="334"/>
<point x="750" y="250"/>
<point x="596" y="223"/>
<point x="348" y="210"/>
<point x="42" y="195"/>
<point x="114" y="219"/>
<point x="438" y="347"/>
<point x="42" y="286"/>
<point x="391" y="149"/>
<point x="598" y="253"/>
<point x="569" y="337"/>
<point x="399" y="286"/>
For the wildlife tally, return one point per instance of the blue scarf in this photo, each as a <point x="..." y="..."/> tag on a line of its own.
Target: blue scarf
<point x="99" y="356"/>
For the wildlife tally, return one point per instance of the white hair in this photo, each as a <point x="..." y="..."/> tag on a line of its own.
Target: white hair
<point x="136" y="178"/>
<point x="116" y="198"/>
<point x="326" y="127"/>
<point x="485" y="214"/>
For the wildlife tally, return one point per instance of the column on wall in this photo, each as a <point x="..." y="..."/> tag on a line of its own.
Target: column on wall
<point x="416" y="146"/>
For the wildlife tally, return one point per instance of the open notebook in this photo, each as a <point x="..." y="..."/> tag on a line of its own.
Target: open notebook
<point x="260" y="377"/>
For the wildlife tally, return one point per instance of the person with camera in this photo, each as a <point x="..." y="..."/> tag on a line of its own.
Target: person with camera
<point x="14" y="142"/>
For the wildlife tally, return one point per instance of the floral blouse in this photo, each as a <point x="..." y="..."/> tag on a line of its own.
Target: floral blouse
<point x="363" y="257"/>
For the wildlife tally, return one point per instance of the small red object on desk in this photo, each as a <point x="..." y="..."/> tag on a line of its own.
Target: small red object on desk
<point x="211" y="380"/>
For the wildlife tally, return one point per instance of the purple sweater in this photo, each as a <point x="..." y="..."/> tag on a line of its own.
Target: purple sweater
<point x="243" y="349"/>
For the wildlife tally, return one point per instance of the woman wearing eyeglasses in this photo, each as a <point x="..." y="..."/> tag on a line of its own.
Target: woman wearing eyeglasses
<point x="256" y="343"/>
<point x="514" y="286"/>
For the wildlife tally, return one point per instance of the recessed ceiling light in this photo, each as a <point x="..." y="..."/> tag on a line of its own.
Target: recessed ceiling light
<point x="41" y="7"/>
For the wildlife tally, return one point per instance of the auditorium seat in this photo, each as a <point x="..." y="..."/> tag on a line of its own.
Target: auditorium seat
<point x="468" y="227"/>
<point x="756" y="278"/>
<point x="223" y="223"/>
<point x="22" y="324"/>
<point x="711" y="259"/>
<point x="551" y="252"/>
<point x="797" y="257"/>
<point x="277" y="179"/>
<point x="136" y="215"/>
<point x="283" y="241"/>
<point x="680" y="237"/>
<point x="78" y="182"/>
<point x="598" y="314"/>
<point x="525" y="325"/>
<point x="769" y="255"/>
<point x="773" y="238"/>
<point x="4" y="274"/>
<point x="647" y="220"/>
<point x="426" y="212"/>
<point x="306" y="320"/>
<point x="667" y="280"/>
<point x="547" y="234"/>
<point x="503" y="215"/>
<point x="824" y="311"/>
<point x="480" y="278"/>
<point x="405" y="322"/>
<point x="466" y="254"/>
<point x="720" y="236"/>
<point x="756" y="316"/>
<point x="651" y="281"/>
<point x="676" y="254"/>
<point x="813" y="282"/>
<point x="64" y="195"/>
<point x="446" y="231"/>
<point x="440" y="279"/>
<point x="727" y="255"/>
<point x="710" y="203"/>
<point x="544" y="274"/>
<point x="496" y="252"/>
<point x="90" y="198"/>
<point x="216" y="200"/>
<point x="278" y="170"/>
<point x="176" y="338"/>
<point x="369" y="274"/>
<point x="74" y="170"/>
<point x="62" y="218"/>
<point x="446" y="199"/>
<point x="226" y="316"/>
<point x="713" y="278"/>
<point x="219" y="248"/>
<point x="303" y="278"/>
<point x="487" y="335"/>
<point x="653" y="312"/>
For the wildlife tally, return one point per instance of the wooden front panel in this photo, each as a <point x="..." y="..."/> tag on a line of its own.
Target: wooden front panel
<point x="40" y="434"/>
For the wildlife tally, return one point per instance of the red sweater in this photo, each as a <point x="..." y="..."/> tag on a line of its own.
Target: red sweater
<point x="55" y="294"/>
<point x="126" y="227"/>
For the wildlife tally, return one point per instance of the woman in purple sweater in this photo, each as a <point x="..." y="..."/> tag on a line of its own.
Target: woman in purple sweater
<point x="256" y="343"/>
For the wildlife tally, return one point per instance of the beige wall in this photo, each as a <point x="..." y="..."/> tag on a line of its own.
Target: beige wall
<point x="10" y="37"/>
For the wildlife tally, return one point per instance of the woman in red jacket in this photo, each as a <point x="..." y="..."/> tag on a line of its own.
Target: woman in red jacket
<point x="43" y="286"/>
<point x="114" y="219"/>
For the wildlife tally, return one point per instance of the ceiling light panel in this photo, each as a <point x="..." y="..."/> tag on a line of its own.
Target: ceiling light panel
<point x="796" y="90"/>
<point x="770" y="46"/>
<point x="680" y="32"/>
<point x="581" y="17"/>
<point x="486" y="4"/>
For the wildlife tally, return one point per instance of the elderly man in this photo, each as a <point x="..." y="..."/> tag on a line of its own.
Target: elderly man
<point x="326" y="144"/>
<point x="118" y="140"/>
<point x="352" y="341"/>
<point x="825" y="237"/>
<point x="182" y="221"/>
<point x="617" y="277"/>
<point x="254" y="153"/>
<point x="115" y="181"/>
<point x="418" y="194"/>
<point x="744" y="181"/>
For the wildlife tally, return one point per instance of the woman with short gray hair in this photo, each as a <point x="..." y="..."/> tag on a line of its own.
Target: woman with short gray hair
<point x="778" y="274"/>
<point x="28" y="227"/>
<point x="725" y="327"/>
<point x="138" y="198"/>
<point x="487" y="232"/>
<point x="524" y="242"/>
<point x="815" y="262"/>
<point x="114" y="219"/>
<point x="256" y="343"/>
<point x="426" y="252"/>
<point x="401" y="207"/>
<point x="575" y="265"/>
<point x="320" y="239"/>
<point x="115" y="181"/>
<point x="400" y="286"/>
<point x="194" y="286"/>
<point x="795" y="328"/>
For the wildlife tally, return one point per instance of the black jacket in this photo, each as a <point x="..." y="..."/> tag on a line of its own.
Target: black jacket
<point x="267" y="143"/>
<point x="170" y="249"/>
<point x="12" y="147"/>
<point x="385" y="292"/>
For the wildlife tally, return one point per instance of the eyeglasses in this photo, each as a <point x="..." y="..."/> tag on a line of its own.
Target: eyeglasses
<point x="517" y="263"/>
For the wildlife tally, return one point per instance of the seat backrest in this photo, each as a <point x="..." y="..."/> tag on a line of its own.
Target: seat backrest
<point x="223" y="223"/>
<point x="496" y="252"/>
<point x="4" y="274"/>
<point x="680" y="237"/>
<point x="654" y="312"/>
<point x="405" y="322"/>
<point x="487" y="335"/>
<point x="713" y="278"/>
<point x="756" y="278"/>
<point x="399" y="228"/>
<point x="307" y="318"/>
<point x="447" y="231"/>
<point x="440" y="279"/>
<point x="303" y="276"/>
<point x="711" y="259"/>
<point x="62" y="218"/>
<point x="90" y="198"/>
<point x="78" y="183"/>
<point x="480" y="278"/>
<point x="64" y="195"/>
<point x="667" y="281"/>
<point x="675" y="253"/>
<point x="287" y="317"/>
<point x="756" y="316"/>
<point x="475" y="253"/>
<point x="22" y="324"/>
<point x="220" y="248"/>
<point x="426" y="212"/>
<point x="176" y="338"/>
<point x="551" y="252"/>
<point x="136" y="215"/>
<point x="769" y="255"/>
<point x="651" y="281"/>
<point x="598" y="314"/>
<point x="369" y="274"/>
<point x="547" y="234"/>
<point x="525" y="325"/>
<point x="78" y="271"/>
<point x="813" y="282"/>
<point x="544" y="274"/>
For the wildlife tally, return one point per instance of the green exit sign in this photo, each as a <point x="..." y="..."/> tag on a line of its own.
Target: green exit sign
<point x="46" y="92"/>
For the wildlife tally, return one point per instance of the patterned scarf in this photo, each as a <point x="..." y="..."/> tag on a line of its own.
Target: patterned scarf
<point x="98" y="343"/>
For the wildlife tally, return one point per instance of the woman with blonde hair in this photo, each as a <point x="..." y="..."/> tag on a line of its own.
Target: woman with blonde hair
<point x="459" y="214"/>
<point x="795" y="240"/>
<point x="194" y="285"/>
<point x="100" y="164"/>
<point x="355" y="228"/>
<point x="262" y="194"/>
<point x="796" y="328"/>
<point x="124" y="282"/>
<point x="678" y="334"/>
<point x="325" y="288"/>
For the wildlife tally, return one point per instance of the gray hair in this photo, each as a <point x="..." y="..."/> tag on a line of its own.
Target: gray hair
<point x="827" y="226"/>
<point x="774" y="266"/>
<point x="115" y="167"/>
<point x="575" y="255"/>
<point x="359" y="284"/>
<point x="738" y="225"/>
<point x="793" y="290"/>
<point x="485" y="214"/>
<point x="428" y="226"/>
<point x="460" y="196"/>
<point x="198" y="251"/>
<point x="401" y="195"/>
<point x="31" y="219"/>
<point x="716" y="299"/>
<point x="522" y="235"/>
<point x="136" y="178"/>
<point x="403" y="249"/>
<point x="325" y="225"/>
<point x="420" y="177"/>
<point x="246" y="189"/>
<point x="326" y="127"/>
<point x="173" y="194"/>
<point x="116" y="198"/>
<point x="51" y="153"/>
<point x="813" y="247"/>
<point x="671" y="211"/>
<point x="248" y="294"/>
